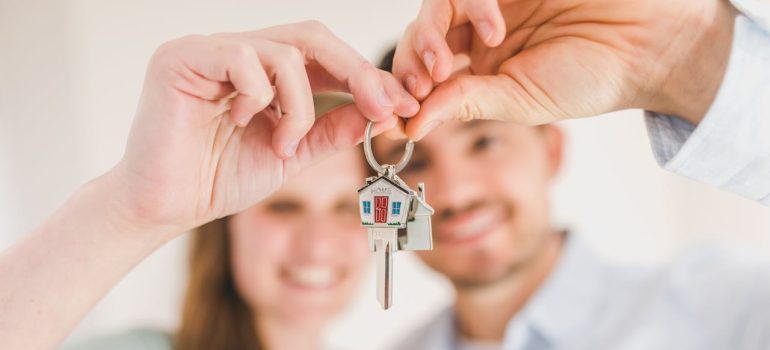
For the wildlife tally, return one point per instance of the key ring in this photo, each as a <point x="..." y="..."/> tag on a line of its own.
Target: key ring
<point x="373" y="162"/>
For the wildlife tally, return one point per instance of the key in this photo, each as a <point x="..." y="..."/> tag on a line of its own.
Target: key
<point x="397" y="217"/>
<point x="384" y="248"/>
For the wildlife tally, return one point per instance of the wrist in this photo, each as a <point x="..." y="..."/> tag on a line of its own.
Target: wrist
<point x="697" y="73"/>
<point x="106" y="197"/>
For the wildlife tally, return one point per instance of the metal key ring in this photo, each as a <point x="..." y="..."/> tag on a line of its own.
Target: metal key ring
<point x="373" y="162"/>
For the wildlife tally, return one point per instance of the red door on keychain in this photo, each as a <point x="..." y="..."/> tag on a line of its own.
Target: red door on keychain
<point x="380" y="209"/>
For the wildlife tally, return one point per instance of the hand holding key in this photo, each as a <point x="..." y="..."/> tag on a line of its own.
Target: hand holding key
<point x="537" y="61"/>
<point x="224" y="119"/>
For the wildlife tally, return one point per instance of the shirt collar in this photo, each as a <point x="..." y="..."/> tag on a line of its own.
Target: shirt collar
<point x="569" y="299"/>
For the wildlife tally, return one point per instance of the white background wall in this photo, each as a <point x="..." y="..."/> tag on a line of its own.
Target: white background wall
<point x="70" y="75"/>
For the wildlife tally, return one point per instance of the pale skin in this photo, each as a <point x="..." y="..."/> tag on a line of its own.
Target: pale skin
<point x="196" y="152"/>
<point x="492" y="234"/>
<point x="204" y="144"/>
<point x="535" y="61"/>
<point x="285" y="253"/>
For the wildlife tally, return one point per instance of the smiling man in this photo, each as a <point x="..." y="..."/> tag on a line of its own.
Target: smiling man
<point x="521" y="283"/>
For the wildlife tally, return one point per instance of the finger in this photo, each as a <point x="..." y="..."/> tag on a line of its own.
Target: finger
<point x="461" y="64"/>
<point x="430" y="44"/>
<point x="245" y="106"/>
<point x="470" y="97"/>
<point x="423" y="55"/>
<point x="209" y="67"/>
<point x="487" y="20"/>
<point x="286" y="66"/>
<point x="405" y="104"/>
<point x="339" y="129"/>
<point x="194" y="84"/>
<point x="397" y="132"/>
<point x="342" y="62"/>
<point x="321" y="81"/>
<point x="409" y="69"/>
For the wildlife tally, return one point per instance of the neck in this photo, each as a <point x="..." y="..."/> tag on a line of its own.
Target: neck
<point x="276" y="333"/>
<point x="483" y="313"/>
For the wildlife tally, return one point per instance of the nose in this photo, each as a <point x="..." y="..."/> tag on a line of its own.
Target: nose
<point x="316" y="238"/>
<point x="455" y="183"/>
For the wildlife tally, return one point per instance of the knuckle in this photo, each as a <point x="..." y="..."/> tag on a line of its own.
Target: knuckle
<point x="306" y="119"/>
<point x="172" y="47"/>
<point x="469" y="109"/>
<point x="292" y="56"/>
<point x="222" y="35"/>
<point x="168" y="54"/>
<point x="239" y="52"/>
<point x="361" y="75"/>
<point x="367" y="68"/>
<point x="315" y="33"/>
<point x="299" y="123"/>
<point x="314" y="27"/>
<point x="264" y="98"/>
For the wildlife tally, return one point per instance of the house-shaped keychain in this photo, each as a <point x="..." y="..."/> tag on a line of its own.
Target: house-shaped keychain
<point x="397" y="219"/>
<point x="389" y="205"/>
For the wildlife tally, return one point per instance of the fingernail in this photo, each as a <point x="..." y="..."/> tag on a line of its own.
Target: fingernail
<point x="383" y="99"/>
<point x="429" y="59"/>
<point x="410" y="82"/>
<point x="290" y="149"/>
<point x="484" y="29"/>
<point x="427" y="128"/>
<point x="412" y="106"/>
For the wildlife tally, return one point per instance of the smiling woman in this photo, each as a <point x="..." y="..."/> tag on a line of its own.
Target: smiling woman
<point x="269" y="276"/>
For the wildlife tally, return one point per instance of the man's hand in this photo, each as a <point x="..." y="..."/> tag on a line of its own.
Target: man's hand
<point x="224" y="120"/>
<point x="537" y="61"/>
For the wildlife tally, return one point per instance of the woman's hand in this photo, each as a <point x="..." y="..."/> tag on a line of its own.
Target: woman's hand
<point x="537" y="61"/>
<point x="224" y="120"/>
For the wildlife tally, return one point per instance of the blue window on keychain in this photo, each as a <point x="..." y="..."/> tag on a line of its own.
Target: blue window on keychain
<point x="396" y="208"/>
<point x="367" y="207"/>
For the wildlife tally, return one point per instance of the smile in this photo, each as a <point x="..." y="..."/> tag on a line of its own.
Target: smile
<point x="470" y="227"/>
<point x="311" y="277"/>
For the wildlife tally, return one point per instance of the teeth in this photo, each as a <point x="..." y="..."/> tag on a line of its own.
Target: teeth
<point x="474" y="226"/>
<point x="312" y="276"/>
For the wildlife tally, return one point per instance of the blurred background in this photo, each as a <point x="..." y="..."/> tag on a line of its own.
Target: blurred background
<point x="70" y="76"/>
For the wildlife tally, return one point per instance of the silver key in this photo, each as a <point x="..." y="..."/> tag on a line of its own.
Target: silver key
<point x="397" y="217"/>
<point x="384" y="247"/>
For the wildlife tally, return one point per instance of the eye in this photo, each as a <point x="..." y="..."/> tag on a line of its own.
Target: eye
<point x="284" y="207"/>
<point x="483" y="142"/>
<point x="348" y="208"/>
<point x="416" y="165"/>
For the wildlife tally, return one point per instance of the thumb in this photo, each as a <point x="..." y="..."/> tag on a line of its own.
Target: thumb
<point x="472" y="97"/>
<point x="487" y="19"/>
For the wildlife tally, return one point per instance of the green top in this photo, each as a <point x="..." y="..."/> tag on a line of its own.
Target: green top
<point x="137" y="339"/>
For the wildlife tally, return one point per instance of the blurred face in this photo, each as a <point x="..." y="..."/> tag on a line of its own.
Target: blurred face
<point x="299" y="254"/>
<point x="488" y="182"/>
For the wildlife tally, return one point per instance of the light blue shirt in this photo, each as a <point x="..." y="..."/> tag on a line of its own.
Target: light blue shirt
<point x="708" y="299"/>
<point x="730" y="148"/>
